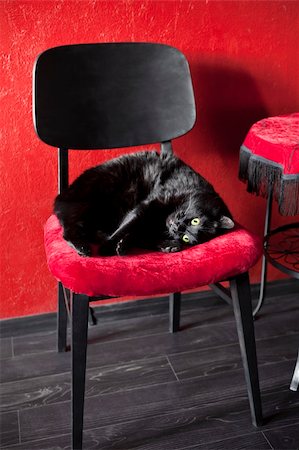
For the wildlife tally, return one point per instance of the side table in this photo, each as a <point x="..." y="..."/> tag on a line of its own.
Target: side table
<point x="269" y="164"/>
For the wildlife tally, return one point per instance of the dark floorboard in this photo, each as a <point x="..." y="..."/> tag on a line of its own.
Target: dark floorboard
<point x="151" y="390"/>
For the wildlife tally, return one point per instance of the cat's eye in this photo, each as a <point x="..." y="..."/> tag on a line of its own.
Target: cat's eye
<point x="195" y="221"/>
<point x="186" y="238"/>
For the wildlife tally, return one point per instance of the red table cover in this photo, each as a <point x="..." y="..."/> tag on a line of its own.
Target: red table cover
<point x="269" y="157"/>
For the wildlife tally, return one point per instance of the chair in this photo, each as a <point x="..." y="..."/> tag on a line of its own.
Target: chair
<point x="102" y="96"/>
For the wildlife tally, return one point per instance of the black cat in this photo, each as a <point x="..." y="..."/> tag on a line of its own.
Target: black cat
<point x="146" y="200"/>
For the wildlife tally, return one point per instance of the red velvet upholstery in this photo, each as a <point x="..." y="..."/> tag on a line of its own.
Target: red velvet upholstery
<point x="146" y="273"/>
<point x="276" y="139"/>
<point x="269" y="160"/>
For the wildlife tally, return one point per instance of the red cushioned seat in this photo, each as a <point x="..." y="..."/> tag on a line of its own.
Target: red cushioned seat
<point x="270" y="158"/>
<point x="147" y="273"/>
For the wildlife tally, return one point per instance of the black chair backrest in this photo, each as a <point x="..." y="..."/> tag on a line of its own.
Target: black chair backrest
<point x="100" y="96"/>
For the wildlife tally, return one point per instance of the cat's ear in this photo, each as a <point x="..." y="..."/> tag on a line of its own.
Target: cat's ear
<point x="226" y="222"/>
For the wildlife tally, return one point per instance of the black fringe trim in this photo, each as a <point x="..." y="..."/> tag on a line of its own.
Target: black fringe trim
<point x="261" y="176"/>
<point x="243" y="164"/>
<point x="289" y="197"/>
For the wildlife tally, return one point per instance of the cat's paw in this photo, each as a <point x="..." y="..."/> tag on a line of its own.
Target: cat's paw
<point x="81" y="249"/>
<point x="112" y="247"/>
<point x="170" y="247"/>
<point x="124" y="245"/>
<point x="85" y="252"/>
<point x="121" y="248"/>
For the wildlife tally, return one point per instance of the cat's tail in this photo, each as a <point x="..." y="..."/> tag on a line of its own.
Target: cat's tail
<point x="166" y="149"/>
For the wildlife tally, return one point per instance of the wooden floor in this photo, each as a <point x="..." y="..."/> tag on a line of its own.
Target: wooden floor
<point x="148" y="389"/>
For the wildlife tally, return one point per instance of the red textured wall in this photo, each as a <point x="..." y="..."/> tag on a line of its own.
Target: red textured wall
<point x="244" y="63"/>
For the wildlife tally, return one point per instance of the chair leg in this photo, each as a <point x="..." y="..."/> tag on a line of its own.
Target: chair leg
<point x="295" y="379"/>
<point x="92" y="320"/>
<point x="267" y="227"/>
<point x="62" y="318"/>
<point x="174" y="312"/>
<point x="241" y="295"/>
<point x="79" y="346"/>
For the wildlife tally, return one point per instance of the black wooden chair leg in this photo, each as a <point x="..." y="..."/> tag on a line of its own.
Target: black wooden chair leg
<point x="241" y="295"/>
<point x="295" y="380"/>
<point x="174" y="312"/>
<point x="92" y="320"/>
<point x="79" y="345"/>
<point x="62" y="318"/>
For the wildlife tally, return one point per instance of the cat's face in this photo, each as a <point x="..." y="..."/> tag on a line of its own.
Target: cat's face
<point x="195" y="227"/>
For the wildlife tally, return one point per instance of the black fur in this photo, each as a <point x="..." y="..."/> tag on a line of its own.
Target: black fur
<point x="142" y="200"/>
